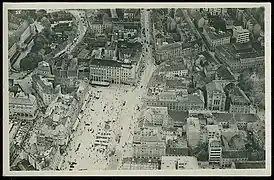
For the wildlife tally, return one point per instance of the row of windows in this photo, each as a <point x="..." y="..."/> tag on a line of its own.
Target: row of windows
<point x="177" y="107"/>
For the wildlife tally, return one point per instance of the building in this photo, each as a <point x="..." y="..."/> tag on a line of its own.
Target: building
<point x="214" y="150"/>
<point x="233" y="156"/>
<point x="44" y="69"/>
<point x="112" y="71"/>
<point x="175" y="70"/>
<point x="177" y="147"/>
<point x="22" y="105"/>
<point x="45" y="88"/>
<point x="215" y="38"/>
<point x="215" y="11"/>
<point x="215" y="97"/>
<point x="177" y="50"/>
<point x="179" y="101"/>
<point x="140" y="164"/>
<point x="229" y="21"/>
<point x="148" y="142"/>
<point x="179" y="163"/>
<point x="229" y="131"/>
<point x="239" y="56"/>
<point x="99" y="27"/>
<point x="239" y="102"/>
<point x="241" y="35"/>
<point x="241" y="120"/>
<point x="156" y="116"/>
<point x="193" y="132"/>
<point x="213" y="131"/>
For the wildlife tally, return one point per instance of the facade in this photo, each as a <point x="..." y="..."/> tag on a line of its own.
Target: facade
<point x="215" y="38"/>
<point x="213" y="131"/>
<point x="239" y="59"/>
<point x="233" y="156"/>
<point x="148" y="142"/>
<point x="22" y="105"/>
<point x="179" y="163"/>
<point x="214" y="150"/>
<point x="177" y="50"/>
<point x="177" y="101"/>
<point x="241" y="35"/>
<point x="99" y="27"/>
<point x="113" y="72"/>
<point x="44" y="88"/>
<point x="193" y="132"/>
<point x="215" y="97"/>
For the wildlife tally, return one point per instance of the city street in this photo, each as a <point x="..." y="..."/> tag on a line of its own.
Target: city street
<point x="118" y="105"/>
<point x="81" y="30"/>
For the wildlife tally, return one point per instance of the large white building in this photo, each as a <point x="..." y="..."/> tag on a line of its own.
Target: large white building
<point x="214" y="150"/>
<point x="113" y="71"/>
<point x="241" y="35"/>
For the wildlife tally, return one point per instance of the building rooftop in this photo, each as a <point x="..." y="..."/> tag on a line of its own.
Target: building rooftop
<point x="178" y="143"/>
<point x="233" y="118"/>
<point x="234" y="154"/>
<point x="178" y="116"/>
<point x="174" y="162"/>
<point x="214" y="87"/>
<point x="237" y="95"/>
<point x="216" y="35"/>
<point x="170" y="46"/>
<point x="47" y="86"/>
<point x="174" y="84"/>
<point x="19" y="97"/>
<point x="250" y="165"/>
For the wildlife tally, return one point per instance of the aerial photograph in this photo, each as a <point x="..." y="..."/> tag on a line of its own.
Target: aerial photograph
<point x="136" y="89"/>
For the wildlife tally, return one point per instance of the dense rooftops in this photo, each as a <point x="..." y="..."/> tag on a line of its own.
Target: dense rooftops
<point x="213" y="34"/>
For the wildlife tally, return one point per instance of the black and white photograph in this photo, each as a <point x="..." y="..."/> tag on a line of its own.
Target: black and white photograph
<point x="130" y="88"/>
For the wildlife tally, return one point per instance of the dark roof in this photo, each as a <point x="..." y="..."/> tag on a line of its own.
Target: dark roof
<point x="224" y="73"/>
<point x="178" y="115"/>
<point x="192" y="43"/>
<point x="228" y="117"/>
<point x="250" y="165"/>
<point x="234" y="154"/>
<point x="256" y="156"/>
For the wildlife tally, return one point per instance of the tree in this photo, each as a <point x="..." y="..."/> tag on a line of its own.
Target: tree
<point x="30" y="61"/>
<point x="45" y="23"/>
<point x="40" y="14"/>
